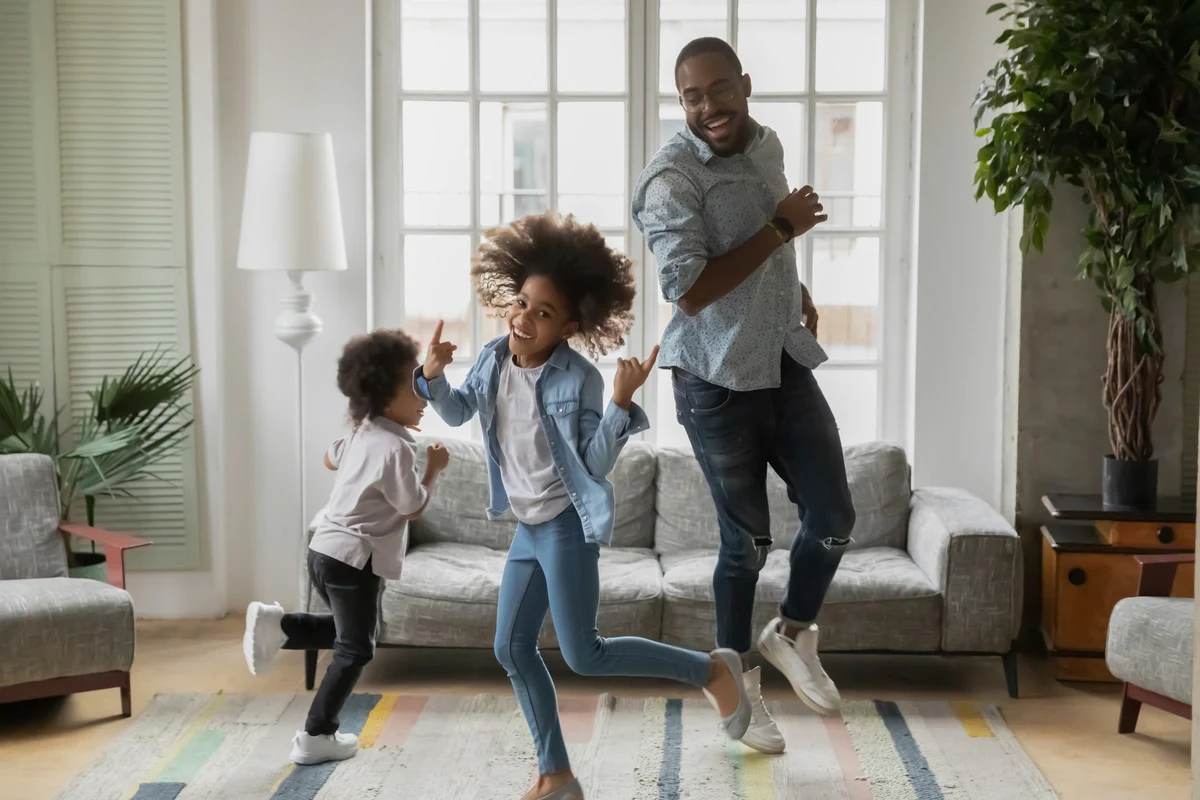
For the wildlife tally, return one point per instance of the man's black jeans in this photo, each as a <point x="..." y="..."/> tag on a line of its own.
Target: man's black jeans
<point x="353" y="597"/>
<point x="735" y="436"/>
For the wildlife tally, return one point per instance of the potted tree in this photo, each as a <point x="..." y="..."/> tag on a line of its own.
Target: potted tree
<point x="1105" y="96"/>
<point x="132" y="423"/>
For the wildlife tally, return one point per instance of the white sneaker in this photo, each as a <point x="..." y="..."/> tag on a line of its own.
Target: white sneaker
<point x="735" y="724"/>
<point x="319" y="749"/>
<point x="264" y="635"/>
<point x="799" y="662"/>
<point x="763" y="734"/>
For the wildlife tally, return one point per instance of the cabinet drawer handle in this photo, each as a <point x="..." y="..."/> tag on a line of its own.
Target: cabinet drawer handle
<point x="1166" y="534"/>
<point x="1077" y="576"/>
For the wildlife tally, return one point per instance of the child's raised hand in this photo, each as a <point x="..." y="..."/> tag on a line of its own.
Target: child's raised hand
<point x="437" y="457"/>
<point x="631" y="374"/>
<point x="440" y="354"/>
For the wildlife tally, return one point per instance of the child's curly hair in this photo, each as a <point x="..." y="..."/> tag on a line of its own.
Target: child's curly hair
<point x="597" y="281"/>
<point x="372" y="369"/>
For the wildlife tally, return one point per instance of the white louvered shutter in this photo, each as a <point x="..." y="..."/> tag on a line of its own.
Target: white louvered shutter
<point x="120" y="119"/>
<point x="106" y="318"/>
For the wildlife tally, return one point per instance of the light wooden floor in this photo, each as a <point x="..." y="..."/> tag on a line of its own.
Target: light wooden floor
<point x="1068" y="730"/>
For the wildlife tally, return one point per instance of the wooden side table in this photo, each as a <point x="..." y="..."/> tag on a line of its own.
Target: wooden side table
<point x="1089" y="563"/>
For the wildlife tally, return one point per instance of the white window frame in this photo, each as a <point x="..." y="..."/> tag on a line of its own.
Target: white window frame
<point x="642" y="98"/>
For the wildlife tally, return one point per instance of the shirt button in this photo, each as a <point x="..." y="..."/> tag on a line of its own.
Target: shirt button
<point x="780" y="329"/>
<point x="764" y="184"/>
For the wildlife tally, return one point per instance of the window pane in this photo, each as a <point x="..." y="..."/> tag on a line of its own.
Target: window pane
<point x="845" y="288"/>
<point x="512" y="45"/>
<point x="437" y="286"/>
<point x="514" y="161"/>
<point x="682" y="21"/>
<point x="591" y="162"/>
<point x="670" y="121"/>
<point x="591" y="46"/>
<point x="433" y="45"/>
<point x="432" y="424"/>
<point x="787" y="120"/>
<point x="437" y="163"/>
<point x="849" y="168"/>
<point x="850" y="45"/>
<point x="853" y="396"/>
<point x="772" y="43"/>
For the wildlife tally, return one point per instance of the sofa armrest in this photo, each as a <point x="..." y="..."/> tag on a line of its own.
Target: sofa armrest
<point x="973" y="556"/>
<point x="115" y="544"/>
<point x="1158" y="573"/>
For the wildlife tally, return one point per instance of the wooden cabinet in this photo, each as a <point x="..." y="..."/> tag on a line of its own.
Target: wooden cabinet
<point x="1088" y="567"/>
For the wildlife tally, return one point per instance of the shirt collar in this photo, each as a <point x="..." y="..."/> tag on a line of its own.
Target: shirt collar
<point x="383" y="423"/>
<point x="559" y="359"/>
<point x="705" y="153"/>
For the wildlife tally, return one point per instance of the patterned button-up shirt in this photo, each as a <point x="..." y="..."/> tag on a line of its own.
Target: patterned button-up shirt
<point x="692" y="206"/>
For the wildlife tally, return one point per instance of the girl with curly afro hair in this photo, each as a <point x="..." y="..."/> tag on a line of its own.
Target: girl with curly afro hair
<point x="358" y="539"/>
<point x="552" y="441"/>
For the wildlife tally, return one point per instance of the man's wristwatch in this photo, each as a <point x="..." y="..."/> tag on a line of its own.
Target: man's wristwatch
<point x="783" y="228"/>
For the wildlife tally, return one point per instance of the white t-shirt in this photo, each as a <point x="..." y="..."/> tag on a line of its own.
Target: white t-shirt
<point x="376" y="487"/>
<point x="535" y="490"/>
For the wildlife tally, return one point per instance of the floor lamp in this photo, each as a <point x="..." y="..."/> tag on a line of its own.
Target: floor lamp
<point x="292" y="222"/>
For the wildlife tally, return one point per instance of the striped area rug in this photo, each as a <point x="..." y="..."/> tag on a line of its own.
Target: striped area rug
<point x="193" y="746"/>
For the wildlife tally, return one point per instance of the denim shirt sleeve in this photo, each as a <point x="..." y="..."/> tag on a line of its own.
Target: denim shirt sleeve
<point x="668" y="209"/>
<point x="603" y="435"/>
<point x="455" y="406"/>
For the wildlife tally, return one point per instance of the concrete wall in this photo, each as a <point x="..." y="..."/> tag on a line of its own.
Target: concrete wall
<point x="1062" y="429"/>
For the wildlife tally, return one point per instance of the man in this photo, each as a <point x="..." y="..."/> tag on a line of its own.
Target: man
<point x="715" y="208"/>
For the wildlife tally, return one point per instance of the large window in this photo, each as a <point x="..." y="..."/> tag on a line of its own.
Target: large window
<point x="493" y="109"/>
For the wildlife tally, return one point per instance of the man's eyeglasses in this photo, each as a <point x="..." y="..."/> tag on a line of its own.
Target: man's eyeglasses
<point x="721" y="93"/>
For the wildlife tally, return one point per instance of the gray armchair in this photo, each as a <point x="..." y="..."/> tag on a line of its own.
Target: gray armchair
<point x="58" y="635"/>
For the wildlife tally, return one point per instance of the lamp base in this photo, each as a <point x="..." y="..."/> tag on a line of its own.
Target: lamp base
<point x="297" y="325"/>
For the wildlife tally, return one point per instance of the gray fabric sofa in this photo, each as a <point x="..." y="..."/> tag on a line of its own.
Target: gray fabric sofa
<point x="58" y="635"/>
<point x="931" y="571"/>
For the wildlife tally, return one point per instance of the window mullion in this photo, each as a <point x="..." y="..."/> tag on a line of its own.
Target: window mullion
<point x="552" y="101"/>
<point x="473" y="50"/>
<point x="732" y="23"/>
<point x="810" y="128"/>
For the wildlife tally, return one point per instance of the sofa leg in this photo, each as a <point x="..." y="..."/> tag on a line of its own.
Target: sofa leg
<point x="1130" y="709"/>
<point x="126" y="698"/>
<point x="1010" y="671"/>
<point x="310" y="669"/>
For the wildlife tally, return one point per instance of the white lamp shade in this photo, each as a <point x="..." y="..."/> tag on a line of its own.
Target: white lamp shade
<point x="291" y="216"/>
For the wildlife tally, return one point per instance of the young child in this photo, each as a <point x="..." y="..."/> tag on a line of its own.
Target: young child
<point x="551" y="444"/>
<point x="359" y="539"/>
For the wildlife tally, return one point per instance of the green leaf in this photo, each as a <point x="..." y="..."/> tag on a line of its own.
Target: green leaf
<point x="1079" y="111"/>
<point x="1032" y="100"/>
<point x="1191" y="176"/>
<point x="994" y="7"/>
<point x="1107" y="304"/>
<point x="1124" y="276"/>
<point x="1004" y="37"/>
<point x="1095" y="115"/>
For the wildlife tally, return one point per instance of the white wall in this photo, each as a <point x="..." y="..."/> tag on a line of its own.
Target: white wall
<point x="957" y="322"/>
<point x="290" y="65"/>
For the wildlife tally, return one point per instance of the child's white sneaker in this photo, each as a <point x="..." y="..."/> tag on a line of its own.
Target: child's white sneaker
<point x="308" y="749"/>
<point x="264" y="635"/>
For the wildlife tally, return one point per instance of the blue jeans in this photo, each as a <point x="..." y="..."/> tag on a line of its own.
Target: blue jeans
<point x="735" y="436"/>
<point x="551" y="566"/>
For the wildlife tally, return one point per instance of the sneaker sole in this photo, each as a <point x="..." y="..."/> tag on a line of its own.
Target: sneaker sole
<point x="766" y="750"/>
<point x="799" y="690"/>
<point x="248" y="637"/>
<point x="310" y="762"/>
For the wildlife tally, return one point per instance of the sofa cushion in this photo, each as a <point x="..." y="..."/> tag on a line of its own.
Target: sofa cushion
<point x="1150" y="644"/>
<point x="60" y="627"/>
<point x="30" y="544"/>
<point x="446" y="596"/>
<point x="457" y="512"/>
<point x="879" y="485"/>
<point x="879" y="600"/>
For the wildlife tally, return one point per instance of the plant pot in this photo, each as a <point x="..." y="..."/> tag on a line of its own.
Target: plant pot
<point x="91" y="566"/>
<point x="1130" y="485"/>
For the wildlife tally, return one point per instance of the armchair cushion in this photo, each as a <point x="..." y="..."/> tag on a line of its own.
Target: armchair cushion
<point x="974" y="558"/>
<point x="60" y="627"/>
<point x="1150" y="644"/>
<point x="30" y="545"/>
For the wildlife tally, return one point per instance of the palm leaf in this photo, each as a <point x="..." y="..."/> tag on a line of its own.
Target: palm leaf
<point x="148" y="384"/>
